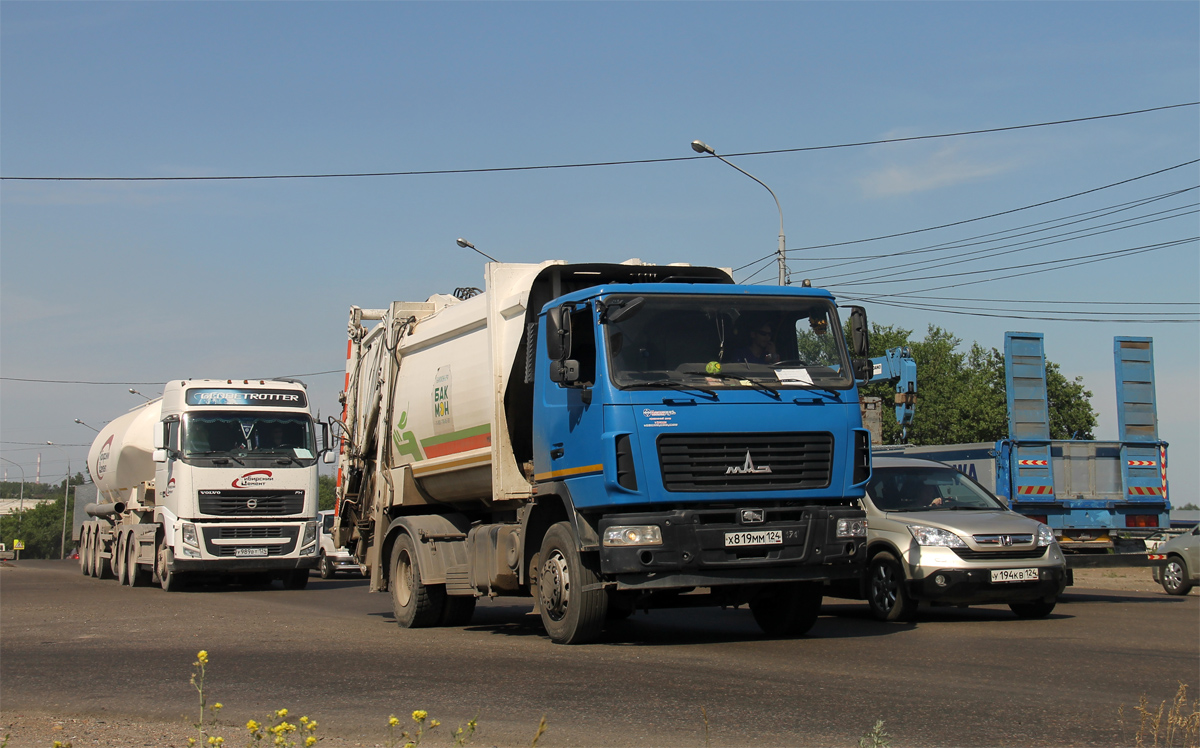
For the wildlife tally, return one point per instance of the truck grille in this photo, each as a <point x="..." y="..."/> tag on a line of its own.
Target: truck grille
<point x="241" y="533"/>
<point x="250" y="503"/>
<point x="248" y="536"/>
<point x="745" y="462"/>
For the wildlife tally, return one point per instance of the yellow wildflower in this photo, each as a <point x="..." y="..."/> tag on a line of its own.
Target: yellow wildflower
<point x="310" y="741"/>
<point x="419" y="716"/>
<point x="218" y="706"/>
<point x="393" y="721"/>
<point x="312" y="725"/>
<point x="252" y="726"/>
<point x="433" y="723"/>
<point x="191" y="741"/>
<point x="202" y="656"/>
<point x="281" y="713"/>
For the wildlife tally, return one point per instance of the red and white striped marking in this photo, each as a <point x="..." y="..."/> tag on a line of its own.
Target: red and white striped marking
<point x="1141" y="463"/>
<point x="1035" y="490"/>
<point x="1145" y="491"/>
<point x="1162" y="468"/>
<point x="1038" y="463"/>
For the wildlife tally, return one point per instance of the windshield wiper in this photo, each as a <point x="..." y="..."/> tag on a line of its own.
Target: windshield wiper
<point x="217" y="454"/>
<point x="758" y="383"/>
<point x="674" y="385"/>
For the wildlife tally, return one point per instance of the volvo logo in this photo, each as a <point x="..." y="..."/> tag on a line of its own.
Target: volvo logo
<point x="752" y="516"/>
<point x="253" y="504"/>
<point x="747" y="467"/>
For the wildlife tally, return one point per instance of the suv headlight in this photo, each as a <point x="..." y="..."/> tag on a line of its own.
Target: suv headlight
<point x="189" y="534"/>
<point x="633" y="535"/>
<point x="852" y="528"/>
<point x="1045" y="536"/>
<point x="936" y="536"/>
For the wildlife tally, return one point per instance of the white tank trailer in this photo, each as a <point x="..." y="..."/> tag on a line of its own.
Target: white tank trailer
<point x="583" y="434"/>
<point x="216" y="480"/>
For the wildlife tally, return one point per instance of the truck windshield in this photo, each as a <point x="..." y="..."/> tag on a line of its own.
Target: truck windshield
<point x="727" y="341"/>
<point x="242" y="434"/>
<point x="927" y="489"/>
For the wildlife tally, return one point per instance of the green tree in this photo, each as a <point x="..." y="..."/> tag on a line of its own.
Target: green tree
<point x="326" y="488"/>
<point x="40" y="527"/>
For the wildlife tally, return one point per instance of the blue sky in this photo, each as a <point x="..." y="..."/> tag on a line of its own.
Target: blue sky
<point x="145" y="281"/>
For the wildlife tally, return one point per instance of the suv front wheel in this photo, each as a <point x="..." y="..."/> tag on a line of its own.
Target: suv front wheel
<point x="886" y="591"/>
<point x="1175" y="577"/>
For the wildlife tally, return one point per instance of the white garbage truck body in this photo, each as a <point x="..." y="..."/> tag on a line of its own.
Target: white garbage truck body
<point x="215" y="479"/>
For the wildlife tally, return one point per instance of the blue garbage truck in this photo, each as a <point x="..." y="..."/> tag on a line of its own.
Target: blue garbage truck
<point x="1097" y="496"/>
<point x="604" y="438"/>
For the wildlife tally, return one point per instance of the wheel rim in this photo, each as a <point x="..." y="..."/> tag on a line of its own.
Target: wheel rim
<point x="554" y="586"/>
<point x="1173" y="575"/>
<point x="405" y="578"/>
<point x="883" y="588"/>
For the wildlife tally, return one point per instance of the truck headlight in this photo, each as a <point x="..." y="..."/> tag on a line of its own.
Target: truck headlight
<point x="1045" y="536"/>
<point x="633" y="535"/>
<point x="852" y="528"/>
<point x="936" y="536"/>
<point x="310" y="533"/>
<point x="189" y="534"/>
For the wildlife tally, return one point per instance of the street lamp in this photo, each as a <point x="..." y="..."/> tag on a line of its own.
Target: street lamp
<point x="702" y="148"/>
<point x="468" y="245"/>
<point x="93" y="428"/>
<point x="132" y="391"/>
<point x="66" y="488"/>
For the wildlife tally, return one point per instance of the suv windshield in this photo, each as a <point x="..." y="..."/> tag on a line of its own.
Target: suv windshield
<point x="727" y="341"/>
<point x="923" y="489"/>
<point x="243" y="434"/>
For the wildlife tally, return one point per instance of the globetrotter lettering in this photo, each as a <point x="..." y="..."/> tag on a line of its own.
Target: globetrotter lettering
<point x="208" y="398"/>
<point x="250" y="398"/>
<point x="102" y="458"/>
<point x="253" y="479"/>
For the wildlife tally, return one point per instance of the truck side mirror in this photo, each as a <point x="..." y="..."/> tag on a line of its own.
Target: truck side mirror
<point x="159" y="455"/>
<point x="564" y="372"/>
<point x="558" y="332"/>
<point x="860" y="333"/>
<point x="329" y="457"/>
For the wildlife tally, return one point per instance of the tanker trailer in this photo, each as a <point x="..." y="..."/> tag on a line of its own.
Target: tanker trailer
<point x="215" y="480"/>
<point x="602" y="438"/>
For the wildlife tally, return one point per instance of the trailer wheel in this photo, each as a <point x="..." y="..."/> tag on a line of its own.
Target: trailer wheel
<point x="573" y="605"/>
<point x="117" y="557"/>
<point x="102" y="568"/>
<point x="1035" y="609"/>
<point x="83" y="552"/>
<point x="414" y="604"/>
<point x="886" y="593"/>
<point x="170" y="581"/>
<point x="86" y="558"/>
<point x="787" y="609"/>
<point x="1176" y="579"/>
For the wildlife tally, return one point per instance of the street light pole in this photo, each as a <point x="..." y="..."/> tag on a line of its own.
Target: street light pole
<point x="132" y="391"/>
<point x="93" y="428"/>
<point x="66" y="488"/>
<point x="701" y="147"/>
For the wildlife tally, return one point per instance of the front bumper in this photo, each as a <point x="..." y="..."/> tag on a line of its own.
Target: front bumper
<point x="693" y="552"/>
<point x="975" y="587"/>
<point x="236" y="565"/>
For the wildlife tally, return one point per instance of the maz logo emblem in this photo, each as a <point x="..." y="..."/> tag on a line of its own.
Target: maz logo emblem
<point x="747" y="467"/>
<point x="752" y="516"/>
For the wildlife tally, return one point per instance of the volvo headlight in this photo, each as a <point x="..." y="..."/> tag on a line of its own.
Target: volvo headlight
<point x="633" y="535"/>
<point x="852" y="528"/>
<point x="189" y="534"/>
<point x="310" y="533"/>
<point x="936" y="536"/>
<point x="1045" y="536"/>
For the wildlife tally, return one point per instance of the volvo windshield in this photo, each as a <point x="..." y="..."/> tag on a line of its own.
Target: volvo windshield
<point x="246" y="435"/>
<point x="726" y="341"/>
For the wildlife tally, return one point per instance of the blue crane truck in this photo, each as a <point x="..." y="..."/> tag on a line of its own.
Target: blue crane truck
<point x="1097" y="496"/>
<point x="602" y="438"/>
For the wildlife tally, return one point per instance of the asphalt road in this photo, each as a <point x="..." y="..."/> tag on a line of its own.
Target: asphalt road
<point x="75" y="647"/>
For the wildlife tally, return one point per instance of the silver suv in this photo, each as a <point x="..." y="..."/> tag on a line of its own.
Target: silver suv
<point x="934" y="534"/>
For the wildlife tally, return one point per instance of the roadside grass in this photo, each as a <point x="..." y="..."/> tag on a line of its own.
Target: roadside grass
<point x="1172" y="723"/>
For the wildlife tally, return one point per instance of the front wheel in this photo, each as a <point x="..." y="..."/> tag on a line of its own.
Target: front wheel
<point x="787" y="609"/>
<point x="415" y="604"/>
<point x="327" y="570"/>
<point x="170" y="581"/>
<point x="886" y="592"/>
<point x="1036" y="609"/>
<point x="296" y="579"/>
<point x="135" y="575"/>
<point x="571" y="601"/>
<point x="1175" y="578"/>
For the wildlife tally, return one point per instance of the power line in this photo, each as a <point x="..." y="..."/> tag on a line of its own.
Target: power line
<point x="1022" y="316"/>
<point x="599" y="163"/>
<point x="1001" y="213"/>
<point x="1059" y="301"/>
<point x="149" y="384"/>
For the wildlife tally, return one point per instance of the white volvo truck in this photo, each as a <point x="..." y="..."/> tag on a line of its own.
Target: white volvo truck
<point x="216" y="479"/>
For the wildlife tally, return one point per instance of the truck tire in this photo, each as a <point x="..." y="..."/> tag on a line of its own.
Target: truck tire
<point x="1035" y="609"/>
<point x="86" y="557"/>
<point x="104" y="567"/>
<point x="136" y="574"/>
<point x="1176" y="578"/>
<point x="170" y="581"/>
<point x="83" y="551"/>
<point x="296" y="579"/>
<point x="787" y="609"/>
<point x="573" y="605"/>
<point x="886" y="593"/>
<point x="457" y="610"/>
<point x="117" y="556"/>
<point x="415" y="605"/>
<point x="327" y="570"/>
